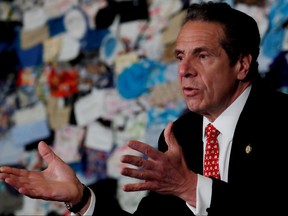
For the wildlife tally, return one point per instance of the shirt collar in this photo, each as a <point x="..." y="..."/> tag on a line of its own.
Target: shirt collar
<point x="227" y="121"/>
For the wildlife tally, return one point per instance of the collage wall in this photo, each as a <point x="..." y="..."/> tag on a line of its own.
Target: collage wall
<point x="86" y="76"/>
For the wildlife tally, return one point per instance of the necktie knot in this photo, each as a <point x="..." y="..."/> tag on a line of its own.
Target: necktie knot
<point x="211" y="158"/>
<point x="211" y="131"/>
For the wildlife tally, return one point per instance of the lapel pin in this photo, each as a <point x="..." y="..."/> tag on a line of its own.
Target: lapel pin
<point x="248" y="149"/>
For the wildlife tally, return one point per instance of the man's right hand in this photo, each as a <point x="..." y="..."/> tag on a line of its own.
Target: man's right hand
<point x="58" y="182"/>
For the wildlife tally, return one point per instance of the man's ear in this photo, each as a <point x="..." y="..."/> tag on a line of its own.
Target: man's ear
<point x="243" y="66"/>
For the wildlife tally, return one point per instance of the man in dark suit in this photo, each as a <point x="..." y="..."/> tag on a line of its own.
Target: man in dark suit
<point x="217" y="50"/>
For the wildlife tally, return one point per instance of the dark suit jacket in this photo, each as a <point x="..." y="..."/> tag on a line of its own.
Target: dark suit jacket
<point x="256" y="183"/>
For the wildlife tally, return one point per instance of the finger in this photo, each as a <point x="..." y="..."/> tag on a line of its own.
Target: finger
<point x="136" y="187"/>
<point x="138" y="174"/>
<point x="17" y="182"/>
<point x="6" y="171"/>
<point x="144" y="149"/>
<point x="170" y="138"/>
<point x="17" y="179"/>
<point x="46" y="153"/>
<point x="137" y="161"/>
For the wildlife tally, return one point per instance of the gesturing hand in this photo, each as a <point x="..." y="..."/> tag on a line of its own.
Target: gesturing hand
<point x="58" y="182"/>
<point x="162" y="172"/>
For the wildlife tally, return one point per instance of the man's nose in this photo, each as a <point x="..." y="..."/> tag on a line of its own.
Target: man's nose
<point x="187" y="68"/>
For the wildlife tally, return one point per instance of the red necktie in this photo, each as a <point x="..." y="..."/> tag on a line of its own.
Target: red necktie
<point x="211" y="159"/>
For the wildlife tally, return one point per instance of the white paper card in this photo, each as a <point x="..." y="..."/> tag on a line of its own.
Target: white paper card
<point x="90" y="107"/>
<point x="99" y="137"/>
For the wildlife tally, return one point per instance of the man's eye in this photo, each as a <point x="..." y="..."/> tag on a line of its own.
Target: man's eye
<point x="203" y="56"/>
<point x="179" y="58"/>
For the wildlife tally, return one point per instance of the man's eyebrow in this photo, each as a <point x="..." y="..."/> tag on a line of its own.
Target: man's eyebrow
<point x="178" y="51"/>
<point x="194" y="51"/>
<point x="201" y="49"/>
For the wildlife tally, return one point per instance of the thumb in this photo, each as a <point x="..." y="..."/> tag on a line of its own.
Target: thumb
<point x="170" y="138"/>
<point x="174" y="151"/>
<point x="45" y="152"/>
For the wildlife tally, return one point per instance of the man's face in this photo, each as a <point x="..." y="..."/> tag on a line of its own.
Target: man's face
<point x="209" y="84"/>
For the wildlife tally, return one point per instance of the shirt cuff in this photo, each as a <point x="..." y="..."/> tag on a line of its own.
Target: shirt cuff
<point x="91" y="207"/>
<point x="203" y="196"/>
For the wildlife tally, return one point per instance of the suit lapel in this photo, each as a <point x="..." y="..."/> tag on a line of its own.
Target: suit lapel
<point x="243" y="144"/>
